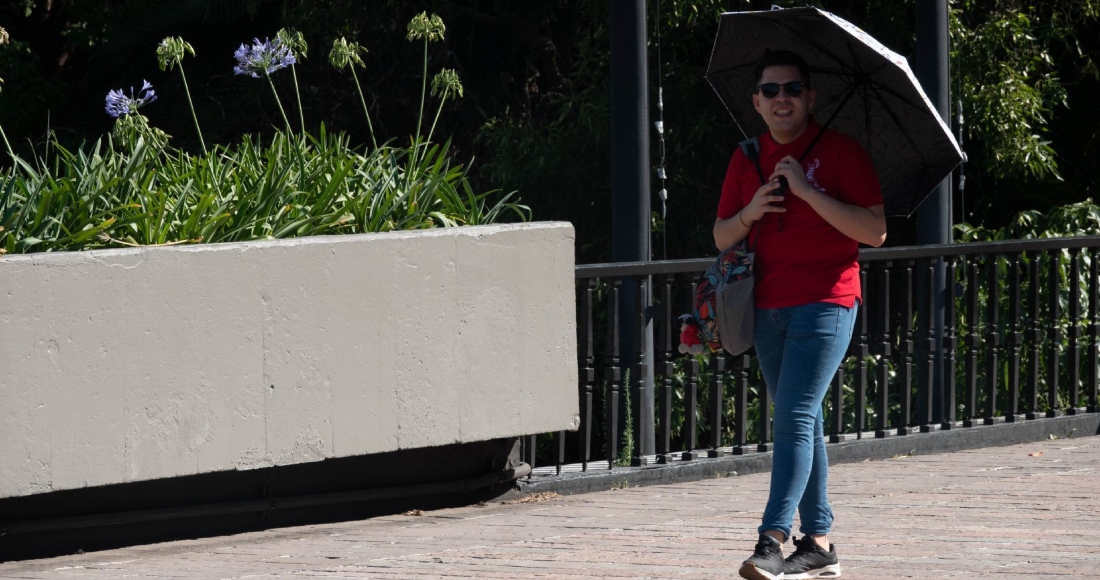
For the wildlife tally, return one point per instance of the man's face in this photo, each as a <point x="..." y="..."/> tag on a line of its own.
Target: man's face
<point x="786" y="116"/>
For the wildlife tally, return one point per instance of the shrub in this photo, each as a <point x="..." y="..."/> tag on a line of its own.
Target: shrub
<point x="134" y="189"/>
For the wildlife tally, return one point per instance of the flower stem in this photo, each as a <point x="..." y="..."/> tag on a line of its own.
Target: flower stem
<point x="420" y="115"/>
<point x="365" y="111"/>
<point x="289" y="131"/>
<point x="187" y="91"/>
<point x="297" y="93"/>
<point x="278" y="102"/>
<point x="443" y="99"/>
<point x="423" y="89"/>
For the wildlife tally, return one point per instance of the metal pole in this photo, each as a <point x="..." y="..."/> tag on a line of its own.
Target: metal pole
<point x="934" y="215"/>
<point x="630" y="186"/>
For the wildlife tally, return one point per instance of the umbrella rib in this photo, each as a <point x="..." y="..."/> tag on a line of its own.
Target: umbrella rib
<point x="728" y="111"/>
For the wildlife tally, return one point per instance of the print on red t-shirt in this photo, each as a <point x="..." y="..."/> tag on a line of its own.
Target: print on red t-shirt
<point x="800" y="258"/>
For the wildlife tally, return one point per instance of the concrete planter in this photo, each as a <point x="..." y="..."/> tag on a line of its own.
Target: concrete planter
<point x="129" y="365"/>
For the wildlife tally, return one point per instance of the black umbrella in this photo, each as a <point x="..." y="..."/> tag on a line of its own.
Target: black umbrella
<point x="864" y="90"/>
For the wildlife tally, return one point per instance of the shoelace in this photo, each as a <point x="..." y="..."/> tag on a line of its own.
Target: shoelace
<point x="762" y="546"/>
<point x="803" y="547"/>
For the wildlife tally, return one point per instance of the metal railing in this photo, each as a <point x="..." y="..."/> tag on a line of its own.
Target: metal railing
<point x="1038" y="361"/>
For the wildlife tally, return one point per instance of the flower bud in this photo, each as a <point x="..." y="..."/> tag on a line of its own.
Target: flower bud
<point x="345" y="53"/>
<point x="426" y="27"/>
<point x="171" y="50"/>
<point x="446" y="81"/>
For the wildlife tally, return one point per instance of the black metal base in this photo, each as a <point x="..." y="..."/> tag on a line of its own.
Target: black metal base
<point x="906" y="430"/>
<point x="929" y="428"/>
<point x="640" y="461"/>
<point x="689" y="455"/>
<point x="883" y="434"/>
<point x="1054" y="413"/>
<point x="713" y="453"/>
<point x="764" y="447"/>
<point x="842" y="437"/>
<point x="206" y="505"/>
<point x="1034" y="415"/>
<point x="739" y="450"/>
<point x="948" y="425"/>
<point x="1015" y="418"/>
<point x="993" y="420"/>
<point x="1093" y="409"/>
<point x="664" y="459"/>
<point x="1075" y="410"/>
<point x="971" y="422"/>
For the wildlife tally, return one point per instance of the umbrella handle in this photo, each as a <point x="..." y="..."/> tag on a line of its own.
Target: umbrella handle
<point x="783" y="185"/>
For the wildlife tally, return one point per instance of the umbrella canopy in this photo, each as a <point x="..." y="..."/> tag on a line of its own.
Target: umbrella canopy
<point x="867" y="90"/>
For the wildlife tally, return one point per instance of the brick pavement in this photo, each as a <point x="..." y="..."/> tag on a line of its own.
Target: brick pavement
<point x="997" y="512"/>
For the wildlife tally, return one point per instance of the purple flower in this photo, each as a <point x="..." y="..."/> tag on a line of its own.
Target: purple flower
<point x="262" y="57"/>
<point x="120" y="105"/>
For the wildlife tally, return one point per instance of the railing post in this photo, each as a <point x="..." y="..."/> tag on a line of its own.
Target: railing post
<point x="926" y="388"/>
<point x="559" y="450"/>
<point x="992" y="341"/>
<point x="765" y="419"/>
<point x="612" y="375"/>
<point x="1034" y="335"/>
<point x="528" y="447"/>
<point x="717" y="369"/>
<point x="905" y="373"/>
<point x="837" y="433"/>
<point x="1094" y="331"/>
<point x="862" y="351"/>
<point x="1014" y="340"/>
<point x="641" y="427"/>
<point x="664" y="417"/>
<point x="740" y="403"/>
<point x="1054" y="266"/>
<point x="882" y="394"/>
<point x="587" y="374"/>
<point x="1075" y="408"/>
<point x="973" y="340"/>
<point x="950" y="344"/>
<point x="691" y="397"/>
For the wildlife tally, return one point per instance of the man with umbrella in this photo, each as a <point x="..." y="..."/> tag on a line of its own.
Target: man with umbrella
<point x="804" y="205"/>
<point x="805" y="197"/>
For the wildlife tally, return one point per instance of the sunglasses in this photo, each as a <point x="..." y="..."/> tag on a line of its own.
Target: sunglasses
<point x="793" y="89"/>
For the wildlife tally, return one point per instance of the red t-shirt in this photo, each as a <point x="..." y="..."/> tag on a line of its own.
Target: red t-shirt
<point x="800" y="258"/>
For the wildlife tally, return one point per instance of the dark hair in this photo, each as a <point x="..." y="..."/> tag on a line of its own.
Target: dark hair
<point x="782" y="58"/>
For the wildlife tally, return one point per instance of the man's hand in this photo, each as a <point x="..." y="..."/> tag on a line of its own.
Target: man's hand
<point x="764" y="202"/>
<point x="791" y="169"/>
<point x="735" y="228"/>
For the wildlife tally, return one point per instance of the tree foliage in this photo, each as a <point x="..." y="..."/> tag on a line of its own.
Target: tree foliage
<point x="1026" y="73"/>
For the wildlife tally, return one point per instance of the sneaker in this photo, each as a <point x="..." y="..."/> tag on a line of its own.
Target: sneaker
<point x="809" y="560"/>
<point x="766" y="562"/>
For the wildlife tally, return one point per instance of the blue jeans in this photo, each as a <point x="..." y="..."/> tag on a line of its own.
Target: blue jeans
<point x="800" y="349"/>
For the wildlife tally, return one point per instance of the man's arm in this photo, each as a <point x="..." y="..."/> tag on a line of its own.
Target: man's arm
<point x="866" y="225"/>
<point x="732" y="230"/>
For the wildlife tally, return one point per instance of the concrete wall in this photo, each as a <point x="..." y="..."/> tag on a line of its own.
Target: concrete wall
<point x="137" y="364"/>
